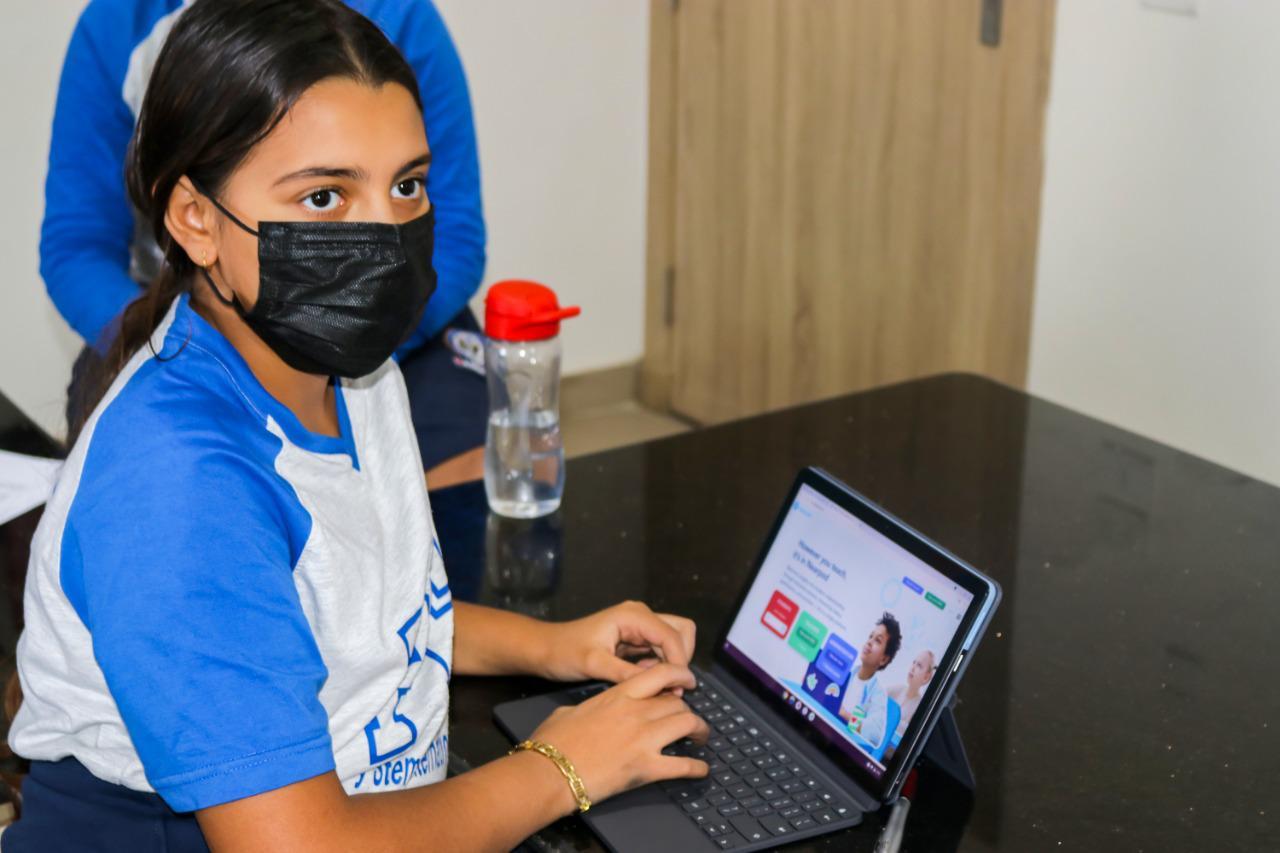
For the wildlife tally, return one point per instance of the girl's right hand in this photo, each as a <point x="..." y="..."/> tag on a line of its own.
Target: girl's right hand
<point x="615" y="738"/>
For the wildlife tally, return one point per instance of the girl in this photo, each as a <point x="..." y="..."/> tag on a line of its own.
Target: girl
<point x="237" y="613"/>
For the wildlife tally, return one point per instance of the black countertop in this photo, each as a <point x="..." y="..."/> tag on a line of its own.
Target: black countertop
<point x="1123" y="698"/>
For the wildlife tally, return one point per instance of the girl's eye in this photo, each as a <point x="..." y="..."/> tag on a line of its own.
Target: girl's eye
<point x="408" y="188"/>
<point x="322" y="201"/>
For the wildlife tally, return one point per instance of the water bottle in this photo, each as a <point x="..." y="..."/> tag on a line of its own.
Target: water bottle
<point x="523" y="453"/>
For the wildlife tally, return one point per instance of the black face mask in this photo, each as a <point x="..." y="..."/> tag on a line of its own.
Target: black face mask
<point x="337" y="298"/>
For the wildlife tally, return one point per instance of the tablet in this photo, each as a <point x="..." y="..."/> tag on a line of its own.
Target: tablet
<point x="856" y="629"/>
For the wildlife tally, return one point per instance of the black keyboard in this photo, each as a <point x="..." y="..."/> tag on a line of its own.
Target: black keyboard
<point x="757" y="789"/>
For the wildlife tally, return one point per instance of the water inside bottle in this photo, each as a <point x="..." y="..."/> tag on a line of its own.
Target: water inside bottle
<point x="524" y="463"/>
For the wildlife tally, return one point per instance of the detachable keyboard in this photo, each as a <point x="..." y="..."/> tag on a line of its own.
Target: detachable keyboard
<point x="757" y="789"/>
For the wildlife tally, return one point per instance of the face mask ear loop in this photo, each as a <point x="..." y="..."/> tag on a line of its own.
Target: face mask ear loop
<point x="230" y="303"/>
<point x="221" y="209"/>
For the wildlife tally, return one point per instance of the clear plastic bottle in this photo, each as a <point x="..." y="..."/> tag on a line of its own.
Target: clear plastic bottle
<point x="524" y="455"/>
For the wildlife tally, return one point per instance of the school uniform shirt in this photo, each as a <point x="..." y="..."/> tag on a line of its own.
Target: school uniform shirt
<point x="220" y="602"/>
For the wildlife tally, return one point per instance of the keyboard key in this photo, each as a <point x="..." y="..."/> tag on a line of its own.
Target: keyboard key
<point x="814" y="805"/>
<point x="713" y="716"/>
<point x="726" y="726"/>
<point x="783" y="758"/>
<point x="719" y="798"/>
<point x="812" y="784"/>
<point x="766" y="742"/>
<point x="717" y="744"/>
<point x="804" y="796"/>
<point x="823" y="815"/>
<point x="730" y="810"/>
<point x="750" y="802"/>
<point x="763" y="808"/>
<point x="742" y="768"/>
<point x="730" y="840"/>
<point x="776" y="825"/>
<point x="768" y="792"/>
<point x="791" y="811"/>
<point x="764" y="762"/>
<point x="782" y="802"/>
<point x="779" y="774"/>
<point x="731" y="756"/>
<point x="755" y="780"/>
<point x="749" y="827"/>
<point x="751" y="750"/>
<point x="740" y="738"/>
<point x="727" y="778"/>
<point x="714" y="829"/>
<point x="739" y="791"/>
<point x="703" y="818"/>
<point x="803" y="823"/>
<point x="793" y="786"/>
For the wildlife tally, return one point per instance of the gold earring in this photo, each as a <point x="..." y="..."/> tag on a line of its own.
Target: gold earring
<point x="204" y="259"/>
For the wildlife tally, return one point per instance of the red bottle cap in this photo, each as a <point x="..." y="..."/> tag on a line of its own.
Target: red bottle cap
<point x="523" y="311"/>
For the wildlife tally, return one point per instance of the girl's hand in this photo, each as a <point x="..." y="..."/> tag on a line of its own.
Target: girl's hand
<point x="615" y="738"/>
<point x="597" y="646"/>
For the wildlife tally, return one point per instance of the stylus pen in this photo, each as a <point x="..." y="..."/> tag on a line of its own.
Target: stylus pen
<point x="891" y="837"/>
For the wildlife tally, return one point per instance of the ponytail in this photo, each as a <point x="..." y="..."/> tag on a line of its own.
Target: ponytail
<point x="137" y="324"/>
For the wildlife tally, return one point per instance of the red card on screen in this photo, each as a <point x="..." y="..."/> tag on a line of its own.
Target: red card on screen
<point x="779" y="615"/>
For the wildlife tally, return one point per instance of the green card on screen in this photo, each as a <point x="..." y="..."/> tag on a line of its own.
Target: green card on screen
<point x="807" y="636"/>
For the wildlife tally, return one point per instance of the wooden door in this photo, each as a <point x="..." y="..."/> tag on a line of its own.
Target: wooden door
<point x="842" y="194"/>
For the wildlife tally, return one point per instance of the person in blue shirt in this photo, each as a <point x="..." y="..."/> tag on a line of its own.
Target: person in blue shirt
<point x="866" y="704"/>
<point x="96" y="258"/>
<point x="239" y="631"/>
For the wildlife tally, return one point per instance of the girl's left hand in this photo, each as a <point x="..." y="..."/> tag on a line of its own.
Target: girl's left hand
<point x="598" y="646"/>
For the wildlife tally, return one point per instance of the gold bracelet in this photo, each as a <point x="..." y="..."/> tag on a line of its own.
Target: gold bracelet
<point x="564" y="765"/>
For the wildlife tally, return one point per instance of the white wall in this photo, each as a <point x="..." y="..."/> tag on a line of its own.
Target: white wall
<point x="560" y="89"/>
<point x="36" y="346"/>
<point x="1158" y="285"/>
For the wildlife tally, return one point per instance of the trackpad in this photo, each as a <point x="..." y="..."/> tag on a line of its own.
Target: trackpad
<point x="519" y="718"/>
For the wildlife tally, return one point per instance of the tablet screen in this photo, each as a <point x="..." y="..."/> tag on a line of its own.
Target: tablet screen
<point x="848" y="628"/>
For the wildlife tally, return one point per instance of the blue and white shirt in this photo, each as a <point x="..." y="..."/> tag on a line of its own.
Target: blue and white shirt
<point x="220" y="602"/>
<point x="874" y="701"/>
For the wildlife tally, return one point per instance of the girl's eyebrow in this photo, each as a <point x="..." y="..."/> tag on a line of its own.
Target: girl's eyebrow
<point x="350" y="174"/>
<point x="420" y="160"/>
<point x="323" y="172"/>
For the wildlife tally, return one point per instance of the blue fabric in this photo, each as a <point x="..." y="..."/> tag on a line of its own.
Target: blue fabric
<point x="202" y="639"/>
<point x="448" y="400"/>
<point x="88" y="223"/>
<point x="66" y="809"/>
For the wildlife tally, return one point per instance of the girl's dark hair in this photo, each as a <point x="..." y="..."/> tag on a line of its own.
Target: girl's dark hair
<point x="228" y="73"/>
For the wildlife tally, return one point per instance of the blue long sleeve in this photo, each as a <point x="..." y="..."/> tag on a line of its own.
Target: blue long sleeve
<point x="88" y="223"/>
